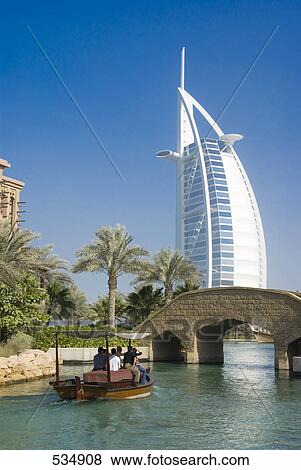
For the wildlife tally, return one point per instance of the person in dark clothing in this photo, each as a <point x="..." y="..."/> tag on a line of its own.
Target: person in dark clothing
<point x="99" y="360"/>
<point x="119" y="351"/>
<point x="136" y="352"/>
<point x="130" y="355"/>
<point x="128" y="363"/>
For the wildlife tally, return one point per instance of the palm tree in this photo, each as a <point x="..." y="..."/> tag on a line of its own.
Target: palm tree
<point x="188" y="286"/>
<point x="60" y="303"/>
<point x="111" y="252"/>
<point x="101" y="307"/>
<point x="17" y="257"/>
<point x="142" y="302"/>
<point x="82" y="310"/>
<point x="168" y="268"/>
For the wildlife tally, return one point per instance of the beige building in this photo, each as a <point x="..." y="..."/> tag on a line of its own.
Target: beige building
<point x="10" y="189"/>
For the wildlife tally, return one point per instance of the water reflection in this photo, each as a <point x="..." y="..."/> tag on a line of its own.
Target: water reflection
<point x="243" y="404"/>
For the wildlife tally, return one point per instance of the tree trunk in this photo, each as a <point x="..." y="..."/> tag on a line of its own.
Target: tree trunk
<point x="42" y="281"/>
<point x="168" y="294"/>
<point x="112" y="283"/>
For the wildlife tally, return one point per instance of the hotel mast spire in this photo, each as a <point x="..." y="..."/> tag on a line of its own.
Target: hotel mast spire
<point x="182" y="83"/>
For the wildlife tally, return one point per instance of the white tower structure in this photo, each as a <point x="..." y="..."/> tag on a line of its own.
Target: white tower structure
<point x="218" y="221"/>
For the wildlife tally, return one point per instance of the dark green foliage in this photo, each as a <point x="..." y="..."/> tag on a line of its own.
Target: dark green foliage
<point x="60" y="303"/>
<point x="45" y="339"/>
<point x="21" y="308"/>
<point x="142" y="302"/>
<point x="68" y="302"/>
<point x="101" y="307"/>
<point x="187" y="287"/>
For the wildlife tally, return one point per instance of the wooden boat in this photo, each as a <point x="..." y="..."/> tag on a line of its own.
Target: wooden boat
<point x="262" y="335"/>
<point x="77" y="389"/>
<point x="109" y="385"/>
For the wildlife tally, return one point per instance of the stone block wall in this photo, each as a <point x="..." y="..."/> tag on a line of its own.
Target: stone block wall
<point x="29" y="365"/>
<point x="186" y="316"/>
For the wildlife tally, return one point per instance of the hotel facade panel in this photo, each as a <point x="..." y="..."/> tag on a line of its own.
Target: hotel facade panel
<point x="218" y="220"/>
<point x="10" y="190"/>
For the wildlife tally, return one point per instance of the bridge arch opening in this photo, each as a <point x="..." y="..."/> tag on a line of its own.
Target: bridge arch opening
<point x="293" y="349"/>
<point x="167" y="347"/>
<point x="210" y="341"/>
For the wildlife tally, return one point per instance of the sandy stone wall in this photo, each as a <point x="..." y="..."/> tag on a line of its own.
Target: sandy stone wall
<point x="190" y="313"/>
<point x="29" y="365"/>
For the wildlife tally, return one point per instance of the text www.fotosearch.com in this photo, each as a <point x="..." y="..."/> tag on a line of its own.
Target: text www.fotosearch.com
<point x="205" y="460"/>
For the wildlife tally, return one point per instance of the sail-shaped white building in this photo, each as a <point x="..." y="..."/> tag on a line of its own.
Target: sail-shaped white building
<point x="218" y="220"/>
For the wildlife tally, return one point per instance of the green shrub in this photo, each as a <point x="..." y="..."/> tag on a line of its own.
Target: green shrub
<point x="21" y="308"/>
<point x="16" y="344"/>
<point x="45" y="339"/>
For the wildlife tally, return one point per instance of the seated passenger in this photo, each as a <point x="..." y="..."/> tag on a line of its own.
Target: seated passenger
<point x="143" y="375"/>
<point x="128" y="363"/>
<point x="136" y="352"/>
<point x="119" y="351"/>
<point x="99" y="360"/>
<point x="115" y="363"/>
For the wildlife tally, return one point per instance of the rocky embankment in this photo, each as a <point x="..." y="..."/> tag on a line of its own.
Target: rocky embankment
<point x="29" y="365"/>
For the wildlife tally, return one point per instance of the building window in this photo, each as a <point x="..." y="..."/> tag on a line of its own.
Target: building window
<point x="224" y="214"/>
<point x="227" y="255"/>
<point x="222" y="188"/>
<point x="227" y="262"/>
<point x="227" y="241"/>
<point x="208" y="158"/>
<point x="219" y="176"/>
<point x="214" y="164"/>
<point x="227" y="269"/>
<point x="227" y="276"/>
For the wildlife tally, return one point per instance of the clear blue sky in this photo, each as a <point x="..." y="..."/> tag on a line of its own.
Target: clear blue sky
<point x="121" y="62"/>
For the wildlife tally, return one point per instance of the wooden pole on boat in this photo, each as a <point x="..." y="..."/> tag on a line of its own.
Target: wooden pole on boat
<point x="108" y="359"/>
<point x="57" y="365"/>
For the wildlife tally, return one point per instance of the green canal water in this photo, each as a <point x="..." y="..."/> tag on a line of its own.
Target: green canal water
<point x="241" y="405"/>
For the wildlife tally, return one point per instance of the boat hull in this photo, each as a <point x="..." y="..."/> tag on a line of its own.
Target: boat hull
<point x="264" y="337"/>
<point x="67" y="390"/>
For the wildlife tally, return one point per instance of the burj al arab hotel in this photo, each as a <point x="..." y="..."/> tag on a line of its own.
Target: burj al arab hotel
<point x="218" y="222"/>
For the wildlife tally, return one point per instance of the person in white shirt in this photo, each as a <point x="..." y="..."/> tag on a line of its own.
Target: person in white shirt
<point x="115" y="363"/>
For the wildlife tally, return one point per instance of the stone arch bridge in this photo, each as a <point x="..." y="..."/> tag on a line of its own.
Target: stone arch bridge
<point x="198" y="321"/>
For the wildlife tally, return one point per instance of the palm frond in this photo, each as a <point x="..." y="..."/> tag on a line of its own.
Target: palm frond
<point x="167" y="268"/>
<point x="18" y="256"/>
